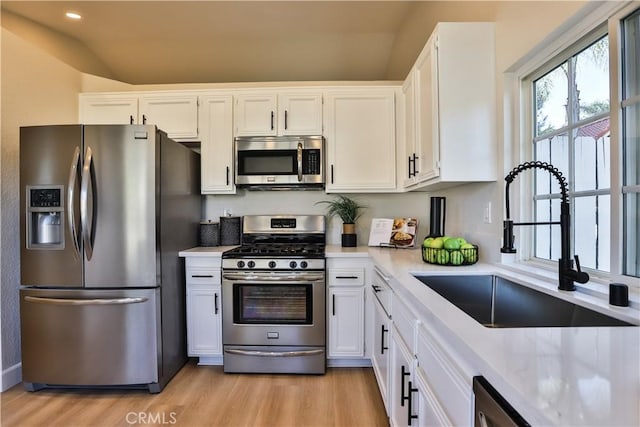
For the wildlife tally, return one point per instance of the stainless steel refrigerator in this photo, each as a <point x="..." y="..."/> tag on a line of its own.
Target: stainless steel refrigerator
<point x="104" y="211"/>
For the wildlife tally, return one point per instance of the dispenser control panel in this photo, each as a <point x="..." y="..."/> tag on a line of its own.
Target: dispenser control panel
<point x="45" y="197"/>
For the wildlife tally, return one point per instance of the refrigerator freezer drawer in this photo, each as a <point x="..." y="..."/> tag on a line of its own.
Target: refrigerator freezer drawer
<point x="89" y="337"/>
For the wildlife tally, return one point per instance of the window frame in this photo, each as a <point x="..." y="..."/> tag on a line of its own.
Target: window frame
<point x="579" y="31"/>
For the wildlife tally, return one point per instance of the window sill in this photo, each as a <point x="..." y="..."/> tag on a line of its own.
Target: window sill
<point x="593" y="293"/>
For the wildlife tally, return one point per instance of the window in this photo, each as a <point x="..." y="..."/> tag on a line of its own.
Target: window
<point x="592" y="139"/>
<point x="571" y="132"/>
<point x="631" y="143"/>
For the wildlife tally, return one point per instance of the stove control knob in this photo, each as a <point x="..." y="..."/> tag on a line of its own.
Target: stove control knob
<point x="251" y="264"/>
<point x="272" y="264"/>
<point x="240" y="264"/>
<point x="293" y="264"/>
<point x="303" y="264"/>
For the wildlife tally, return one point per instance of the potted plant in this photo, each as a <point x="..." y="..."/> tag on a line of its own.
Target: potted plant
<point x="349" y="211"/>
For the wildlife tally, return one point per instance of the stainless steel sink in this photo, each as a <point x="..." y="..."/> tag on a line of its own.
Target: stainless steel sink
<point x="496" y="302"/>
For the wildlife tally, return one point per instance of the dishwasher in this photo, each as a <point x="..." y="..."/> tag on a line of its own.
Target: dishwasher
<point x="491" y="409"/>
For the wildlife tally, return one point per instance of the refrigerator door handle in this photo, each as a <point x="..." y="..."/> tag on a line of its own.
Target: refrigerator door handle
<point x="71" y="189"/>
<point x="85" y="221"/>
<point x="94" y="301"/>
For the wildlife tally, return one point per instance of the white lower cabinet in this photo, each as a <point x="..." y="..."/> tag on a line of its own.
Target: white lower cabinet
<point x="403" y="396"/>
<point x="446" y="381"/>
<point x="204" y="310"/>
<point x="346" y="310"/>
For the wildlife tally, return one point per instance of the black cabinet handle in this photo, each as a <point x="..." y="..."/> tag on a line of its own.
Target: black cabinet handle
<point x="346" y="277"/>
<point x="144" y="119"/>
<point x="272" y="117"/>
<point x="415" y="171"/>
<point x="375" y="288"/>
<point x="382" y="346"/>
<point x="130" y="120"/>
<point x="285" y="119"/>
<point x="410" y="415"/>
<point x="403" y="373"/>
<point x="333" y="304"/>
<point x="227" y="175"/>
<point x="201" y="276"/>
<point x="215" y="303"/>
<point x="332" y="174"/>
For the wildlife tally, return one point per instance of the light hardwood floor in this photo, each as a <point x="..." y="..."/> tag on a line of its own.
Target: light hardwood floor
<point x="205" y="396"/>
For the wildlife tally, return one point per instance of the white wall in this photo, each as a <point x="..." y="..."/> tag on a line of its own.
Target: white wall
<point x="36" y="89"/>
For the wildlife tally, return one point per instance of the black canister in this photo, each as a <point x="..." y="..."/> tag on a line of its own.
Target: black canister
<point x="209" y="234"/>
<point x="619" y="294"/>
<point x="229" y="230"/>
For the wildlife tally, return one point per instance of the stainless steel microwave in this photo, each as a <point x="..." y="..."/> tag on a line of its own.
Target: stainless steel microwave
<point x="284" y="162"/>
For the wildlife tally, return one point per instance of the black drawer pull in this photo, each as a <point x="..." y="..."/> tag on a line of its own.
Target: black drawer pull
<point x="202" y="276"/>
<point x="347" y="277"/>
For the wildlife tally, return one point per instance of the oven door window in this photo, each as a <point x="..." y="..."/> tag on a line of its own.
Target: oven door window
<point x="273" y="304"/>
<point x="267" y="162"/>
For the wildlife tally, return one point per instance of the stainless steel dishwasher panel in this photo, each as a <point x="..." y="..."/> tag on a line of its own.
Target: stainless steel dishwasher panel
<point x="491" y="409"/>
<point x="89" y="337"/>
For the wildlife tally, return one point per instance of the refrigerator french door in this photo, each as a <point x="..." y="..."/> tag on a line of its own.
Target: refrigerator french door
<point x="104" y="210"/>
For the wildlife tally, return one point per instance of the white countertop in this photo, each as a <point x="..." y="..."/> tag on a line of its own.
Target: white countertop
<point x="587" y="376"/>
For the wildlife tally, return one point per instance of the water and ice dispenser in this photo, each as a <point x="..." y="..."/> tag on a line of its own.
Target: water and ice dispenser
<point x="45" y="222"/>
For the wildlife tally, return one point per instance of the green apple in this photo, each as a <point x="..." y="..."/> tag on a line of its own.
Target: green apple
<point x="466" y="246"/>
<point x="427" y="242"/>
<point x="452" y="244"/>
<point x="437" y="243"/>
<point x="461" y="241"/>
<point x="445" y="238"/>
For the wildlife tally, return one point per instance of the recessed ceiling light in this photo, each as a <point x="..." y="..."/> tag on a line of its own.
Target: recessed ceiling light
<point x="73" y="15"/>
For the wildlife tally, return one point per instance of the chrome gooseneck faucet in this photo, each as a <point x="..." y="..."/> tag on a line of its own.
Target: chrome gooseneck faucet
<point x="566" y="274"/>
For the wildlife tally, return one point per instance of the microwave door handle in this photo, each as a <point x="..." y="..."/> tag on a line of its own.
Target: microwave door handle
<point x="299" y="162"/>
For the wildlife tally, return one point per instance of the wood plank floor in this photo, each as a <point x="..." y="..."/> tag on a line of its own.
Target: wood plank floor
<point x="205" y="396"/>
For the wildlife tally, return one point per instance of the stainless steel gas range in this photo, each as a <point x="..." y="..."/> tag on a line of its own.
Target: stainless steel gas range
<point x="273" y="296"/>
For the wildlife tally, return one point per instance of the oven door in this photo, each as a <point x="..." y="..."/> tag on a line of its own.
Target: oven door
<point x="273" y="308"/>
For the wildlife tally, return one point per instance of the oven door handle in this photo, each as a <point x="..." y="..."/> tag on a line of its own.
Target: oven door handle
<point x="256" y="277"/>
<point x="295" y="353"/>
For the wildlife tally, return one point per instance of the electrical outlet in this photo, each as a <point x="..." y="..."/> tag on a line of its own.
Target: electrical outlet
<point x="486" y="213"/>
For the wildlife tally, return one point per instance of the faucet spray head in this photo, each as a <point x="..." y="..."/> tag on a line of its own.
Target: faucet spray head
<point x="507" y="237"/>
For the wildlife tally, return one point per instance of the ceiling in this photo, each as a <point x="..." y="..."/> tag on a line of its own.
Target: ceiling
<point x="155" y="42"/>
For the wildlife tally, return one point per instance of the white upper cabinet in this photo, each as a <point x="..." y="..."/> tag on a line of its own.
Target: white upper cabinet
<point x="108" y="109"/>
<point x="360" y="132"/>
<point x="270" y="114"/>
<point x="216" y="144"/>
<point x="450" y="109"/>
<point x="176" y="114"/>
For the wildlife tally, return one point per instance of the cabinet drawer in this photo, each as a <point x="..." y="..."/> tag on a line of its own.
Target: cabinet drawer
<point x="203" y="262"/>
<point x="203" y="276"/>
<point x="382" y="290"/>
<point x="345" y="277"/>
<point x="448" y="381"/>
<point x="405" y="322"/>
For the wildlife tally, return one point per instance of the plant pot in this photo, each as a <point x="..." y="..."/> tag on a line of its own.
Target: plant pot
<point x="348" y="228"/>
<point x="349" y="236"/>
<point x="349" y="240"/>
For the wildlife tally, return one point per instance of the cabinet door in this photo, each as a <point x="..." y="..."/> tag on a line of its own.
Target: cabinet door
<point x="204" y="320"/>
<point x="360" y="132"/>
<point x="427" y="132"/>
<point x="255" y="114"/>
<point x="107" y="110"/>
<point x="429" y="411"/>
<point x="300" y="114"/>
<point x="177" y="115"/>
<point x="409" y="156"/>
<point x="402" y="397"/>
<point x="216" y="145"/>
<point x="346" y="322"/>
<point x="380" y="350"/>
